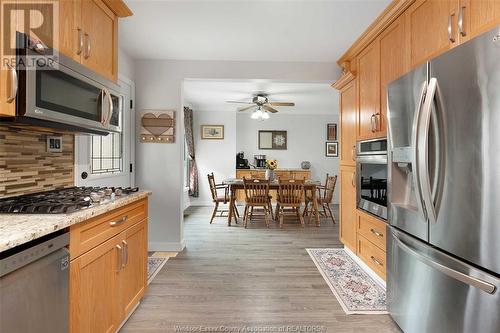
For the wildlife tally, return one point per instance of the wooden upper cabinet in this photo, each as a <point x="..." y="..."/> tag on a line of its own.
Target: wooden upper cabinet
<point x="394" y="62"/>
<point x="428" y="23"/>
<point x="100" y="27"/>
<point x="368" y="67"/>
<point x="70" y="29"/>
<point x="477" y="16"/>
<point x="348" y="207"/>
<point x="348" y="112"/>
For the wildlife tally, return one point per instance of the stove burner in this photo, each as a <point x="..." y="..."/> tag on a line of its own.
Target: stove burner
<point x="64" y="201"/>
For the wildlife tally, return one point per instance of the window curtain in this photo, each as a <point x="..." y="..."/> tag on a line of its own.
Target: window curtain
<point x="193" y="169"/>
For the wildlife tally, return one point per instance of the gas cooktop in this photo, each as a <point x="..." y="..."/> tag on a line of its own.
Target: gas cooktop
<point x="61" y="201"/>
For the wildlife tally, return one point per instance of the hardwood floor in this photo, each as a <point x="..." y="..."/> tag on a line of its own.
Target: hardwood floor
<point x="256" y="277"/>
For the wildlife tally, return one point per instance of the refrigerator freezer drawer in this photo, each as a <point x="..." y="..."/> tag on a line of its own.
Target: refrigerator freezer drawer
<point x="428" y="291"/>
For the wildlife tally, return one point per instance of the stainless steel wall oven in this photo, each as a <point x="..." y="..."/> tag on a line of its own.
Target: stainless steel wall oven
<point x="371" y="182"/>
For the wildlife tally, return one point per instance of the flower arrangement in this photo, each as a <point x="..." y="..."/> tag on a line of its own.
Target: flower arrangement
<point x="271" y="164"/>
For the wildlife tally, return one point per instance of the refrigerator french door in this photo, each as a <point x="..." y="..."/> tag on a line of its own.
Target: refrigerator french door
<point x="444" y="192"/>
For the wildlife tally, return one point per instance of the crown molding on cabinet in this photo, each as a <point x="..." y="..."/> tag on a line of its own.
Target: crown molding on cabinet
<point x="344" y="80"/>
<point x="393" y="11"/>
<point x="118" y="7"/>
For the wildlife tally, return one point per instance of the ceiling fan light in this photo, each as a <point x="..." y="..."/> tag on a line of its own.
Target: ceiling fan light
<point x="265" y="115"/>
<point x="256" y="114"/>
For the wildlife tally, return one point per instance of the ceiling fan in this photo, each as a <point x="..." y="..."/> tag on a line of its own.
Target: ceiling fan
<point x="262" y="105"/>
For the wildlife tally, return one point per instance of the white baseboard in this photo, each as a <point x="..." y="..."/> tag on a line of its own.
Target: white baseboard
<point x="167" y="246"/>
<point x="365" y="267"/>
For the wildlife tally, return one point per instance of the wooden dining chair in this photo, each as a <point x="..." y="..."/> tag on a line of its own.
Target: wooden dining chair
<point x="218" y="199"/>
<point x="257" y="196"/>
<point x="324" y="199"/>
<point x="290" y="193"/>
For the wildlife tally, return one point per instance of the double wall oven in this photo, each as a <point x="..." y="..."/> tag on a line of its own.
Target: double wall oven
<point x="371" y="182"/>
<point x="58" y="92"/>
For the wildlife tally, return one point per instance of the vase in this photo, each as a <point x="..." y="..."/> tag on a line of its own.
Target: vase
<point x="269" y="174"/>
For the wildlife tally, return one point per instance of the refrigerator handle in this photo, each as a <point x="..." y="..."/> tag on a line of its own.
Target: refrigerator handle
<point x="454" y="274"/>
<point x="415" y="139"/>
<point x="423" y="151"/>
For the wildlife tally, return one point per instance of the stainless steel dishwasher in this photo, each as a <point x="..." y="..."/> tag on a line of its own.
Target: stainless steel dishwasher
<point x="34" y="279"/>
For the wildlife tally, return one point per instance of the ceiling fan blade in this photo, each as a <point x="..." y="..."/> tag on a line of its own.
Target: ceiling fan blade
<point x="236" y="102"/>
<point x="246" y="108"/>
<point x="270" y="109"/>
<point x="281" y="103"/>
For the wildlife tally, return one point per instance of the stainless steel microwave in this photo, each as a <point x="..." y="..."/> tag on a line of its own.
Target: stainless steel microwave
<point x="63" y="94"/>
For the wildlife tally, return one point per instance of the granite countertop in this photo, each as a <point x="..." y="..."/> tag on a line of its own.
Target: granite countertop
<point x="279" y="169"/>
<point x="17" y="229"/>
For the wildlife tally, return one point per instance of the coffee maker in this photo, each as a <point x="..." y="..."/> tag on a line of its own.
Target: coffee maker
<point x="241" y="161"/>
<point x="260" y="161"/>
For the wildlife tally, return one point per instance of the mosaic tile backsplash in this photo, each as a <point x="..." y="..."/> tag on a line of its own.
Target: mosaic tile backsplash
<point x="27" y="167"/>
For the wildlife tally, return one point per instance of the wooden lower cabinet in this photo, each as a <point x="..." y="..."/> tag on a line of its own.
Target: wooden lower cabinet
<point x="371" y="242"/>
<point x="347" y="230"/>
<point x="108" y="281"/>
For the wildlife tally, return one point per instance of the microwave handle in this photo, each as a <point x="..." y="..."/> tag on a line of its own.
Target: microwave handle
<point x="14" y="83"/>
<point x="107" y="95"/>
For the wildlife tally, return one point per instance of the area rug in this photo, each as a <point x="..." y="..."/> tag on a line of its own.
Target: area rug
<point x="356" y="291"/>
<point x="155" y="265"/>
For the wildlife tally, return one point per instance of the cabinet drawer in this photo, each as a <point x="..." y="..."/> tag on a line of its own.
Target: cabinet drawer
<point x="87" y="235"/>
<point x="372" y="229"/>
<point x="372" y="256"/>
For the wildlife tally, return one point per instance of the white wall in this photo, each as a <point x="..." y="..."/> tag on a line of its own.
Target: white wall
<point x="159" y="166"/>
<point x="217" y="156"/>
<point x="126" y="65"/>
<point x="306" y="136"/>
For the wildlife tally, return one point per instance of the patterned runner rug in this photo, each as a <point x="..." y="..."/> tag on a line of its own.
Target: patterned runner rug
<point x="155" y="265"/>
<point x="356" y="291"/>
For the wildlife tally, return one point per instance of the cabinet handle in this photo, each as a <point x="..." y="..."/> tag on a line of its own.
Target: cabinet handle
<point x="376" y="261"/>
<point x="120" y="257"/>
<point x="80" y="42"/>
<point x="13" y="84"/>
<point x="461" y="21"/>
<point x="373" y="122"/>
<point x="88" y="49"/>
<point x="353" y="153"/>
<point x="450" y="28"/>
<point x="352" y="179"/>
<point x="118" y="222"/>
<point x="376" y="233"/>
<point x="125" y="253"/>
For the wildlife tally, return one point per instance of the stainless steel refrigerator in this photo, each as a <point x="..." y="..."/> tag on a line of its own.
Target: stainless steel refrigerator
<point x="444" y="192"/>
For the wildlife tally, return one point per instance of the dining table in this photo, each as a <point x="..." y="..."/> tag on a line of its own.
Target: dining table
<point x="235" y="184"/>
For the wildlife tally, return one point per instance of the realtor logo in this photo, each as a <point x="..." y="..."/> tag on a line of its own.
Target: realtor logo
<point x="39" y="20"/>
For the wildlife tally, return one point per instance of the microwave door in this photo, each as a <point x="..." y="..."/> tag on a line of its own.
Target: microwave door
<point x="64" y="96"/>
<point x="405" y="100"/>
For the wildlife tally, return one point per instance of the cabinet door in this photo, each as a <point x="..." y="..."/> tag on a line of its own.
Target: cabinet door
<point x="428" y="22"/>
<point x="70" y="29"/>
<point x="478" y="16"/>
<point x="394" y="62"/>
<point x="348" y="110"/>
<point x="93" y="289"/>
<point x="100" y="38"/>
<point x="348" y="207"/>
<point x="134" y="272"/>
<point x="7" y="74"/>
<point x="369" y="91"/>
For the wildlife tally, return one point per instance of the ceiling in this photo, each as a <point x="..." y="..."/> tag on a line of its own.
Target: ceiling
<point x="242" y="30"/>
<point x="309" y="98"/>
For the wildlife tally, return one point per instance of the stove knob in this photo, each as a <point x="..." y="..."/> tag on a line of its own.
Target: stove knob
<point x="84" y="175"/>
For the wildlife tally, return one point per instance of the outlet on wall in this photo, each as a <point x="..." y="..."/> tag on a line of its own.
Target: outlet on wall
<point x="54" y="144"/>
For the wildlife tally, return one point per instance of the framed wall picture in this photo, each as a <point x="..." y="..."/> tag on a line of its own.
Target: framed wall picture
<point x="331" y="132"/>
<point x="332" y="149"/>
<point x="275" y="140"/>
<point x="212" y="132"/>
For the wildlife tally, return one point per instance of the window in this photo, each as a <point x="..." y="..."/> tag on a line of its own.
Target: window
<point x="106" y="154"/>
